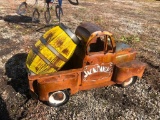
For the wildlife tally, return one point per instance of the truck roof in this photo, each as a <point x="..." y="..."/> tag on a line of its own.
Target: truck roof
<point x="84" y="30"/>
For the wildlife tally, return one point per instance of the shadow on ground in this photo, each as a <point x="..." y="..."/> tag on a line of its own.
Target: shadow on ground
<point x="17" y="19"/>
<point x="4" y="115"/>
<point x="16" y="70"/>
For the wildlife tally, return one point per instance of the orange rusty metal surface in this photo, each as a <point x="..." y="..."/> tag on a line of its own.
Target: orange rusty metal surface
<point x="126" y="70"/>
<point x="106" y="66"/>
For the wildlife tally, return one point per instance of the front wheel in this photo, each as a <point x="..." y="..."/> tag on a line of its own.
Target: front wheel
<point x="58" y="98"/>
<point x="22" y="9"/>
<point x="59" y="11"/>
<point x="129" y="81"/>
<point x="47" y="16"/>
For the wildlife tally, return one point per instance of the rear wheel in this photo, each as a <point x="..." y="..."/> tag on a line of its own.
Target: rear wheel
<point x="35" y="15"/>
<point x="129" y="81"/>
<point x="47" y="16"/>
<point x="22" y="9"/>
<point x="58" y="98"/>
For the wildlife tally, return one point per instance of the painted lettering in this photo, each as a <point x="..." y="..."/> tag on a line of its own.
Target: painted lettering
<point x="98" y="68"/>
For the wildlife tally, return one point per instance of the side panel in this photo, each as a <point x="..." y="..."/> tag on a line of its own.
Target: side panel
<point x="57" y="83"/>
<point x="45" y="84"/>
<point x="97" y="75"/>
<point x="125" y="70"/>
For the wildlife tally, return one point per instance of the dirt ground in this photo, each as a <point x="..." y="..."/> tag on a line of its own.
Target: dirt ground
<point x="136" y="22"/>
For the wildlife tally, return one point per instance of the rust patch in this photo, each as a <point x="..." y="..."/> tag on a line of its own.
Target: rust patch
<point x="49" y="80"/>
<point x="65" y="51"/>
<point x="49" y="36"/>
<point x="59" y="43"/>
<point x="36" y="68"/>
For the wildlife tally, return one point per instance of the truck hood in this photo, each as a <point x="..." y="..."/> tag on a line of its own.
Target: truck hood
<point x="121" y="46"/>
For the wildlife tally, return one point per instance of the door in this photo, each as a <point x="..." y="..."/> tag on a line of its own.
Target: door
<point x="97" y="66"/>
<point x="97" y="75"/>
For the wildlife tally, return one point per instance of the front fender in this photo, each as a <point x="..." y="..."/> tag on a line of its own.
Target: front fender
<point x="126" y="70"/>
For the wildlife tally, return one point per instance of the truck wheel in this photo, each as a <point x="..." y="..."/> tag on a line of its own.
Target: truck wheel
<point x="58" y="98"/>
<point x="129" y="81"/>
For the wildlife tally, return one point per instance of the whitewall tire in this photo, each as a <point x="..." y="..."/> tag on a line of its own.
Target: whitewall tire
<point x="129" y="81"/>
<point x="58" y="98"/>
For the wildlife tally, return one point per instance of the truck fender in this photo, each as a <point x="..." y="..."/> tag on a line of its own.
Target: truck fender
<point x="126" y="70"/>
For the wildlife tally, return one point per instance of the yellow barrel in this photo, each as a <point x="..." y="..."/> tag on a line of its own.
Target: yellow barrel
<point x="52" y="50"/>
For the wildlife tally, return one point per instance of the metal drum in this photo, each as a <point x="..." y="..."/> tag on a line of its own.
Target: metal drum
<point x="52" y="50"/>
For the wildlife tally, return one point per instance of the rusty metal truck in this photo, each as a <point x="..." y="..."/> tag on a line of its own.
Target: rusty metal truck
<point x="97" y="62"/>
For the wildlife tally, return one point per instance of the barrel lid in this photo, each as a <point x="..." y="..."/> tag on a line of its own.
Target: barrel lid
<point x="70" y="34"/>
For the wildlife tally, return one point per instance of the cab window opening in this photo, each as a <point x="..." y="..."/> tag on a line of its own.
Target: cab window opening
<point x="109" y="44"/>
<point x="97" y="46"/>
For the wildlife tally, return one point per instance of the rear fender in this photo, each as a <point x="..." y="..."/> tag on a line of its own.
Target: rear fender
<point x="55" y="82"/>
<point x="126" y="70"/>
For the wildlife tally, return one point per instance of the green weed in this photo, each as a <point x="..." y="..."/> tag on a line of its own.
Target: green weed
<point x="130" y="39"/>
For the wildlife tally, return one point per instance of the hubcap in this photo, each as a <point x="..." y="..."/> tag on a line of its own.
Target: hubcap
<point x="57" y="97"/>
<point x="128" y="82"/>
